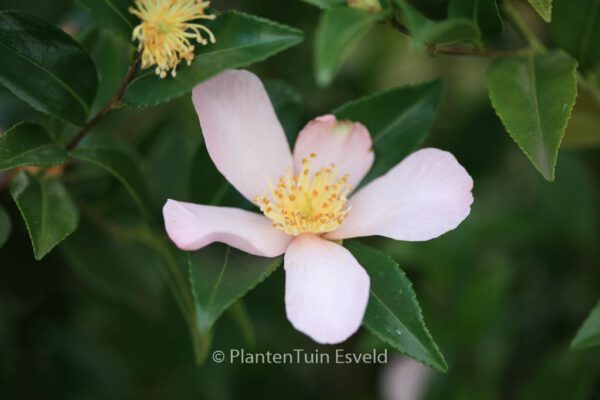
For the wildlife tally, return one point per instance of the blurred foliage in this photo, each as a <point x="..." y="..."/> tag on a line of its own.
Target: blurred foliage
<point x="503" y="296"/>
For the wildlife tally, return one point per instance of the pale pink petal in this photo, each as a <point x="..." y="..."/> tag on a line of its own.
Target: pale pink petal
<point x="242" y="133"/>
<point x="346" y="144"/>
<point x="404" y="379"/>
<point x="193" y="226"/>
<point x="326" y="290"/>
<point x="426" y="195"/>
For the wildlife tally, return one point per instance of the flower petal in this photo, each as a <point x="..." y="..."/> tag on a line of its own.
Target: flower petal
<point x="423" y="197"/>
<point x="346" y="144"/>
<point x="326" y="290"/>
<point x="193" y="226"/>
<point x="242" y="133"/>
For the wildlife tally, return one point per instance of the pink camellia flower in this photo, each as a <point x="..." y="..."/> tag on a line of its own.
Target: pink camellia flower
<point x="303" y="196"/>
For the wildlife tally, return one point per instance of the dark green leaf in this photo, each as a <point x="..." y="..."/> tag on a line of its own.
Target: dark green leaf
<point x="122" y="164"/>
<point x="399" y="120"/>
<point x="113" y="14"/>
<point x="28" y="144"/>
<point x="427" y="32"/>
<point x="287" y="103"/>
<point x="204" y="175"/>
<point x="220" y="275"/>
<point x="241" y="40"/>
<point x="576" y="28"/>
<point x="5" y="226"/>
<point x="47" y="209"/>
<point x="543" y="8"/>
<point x="115" y="264"/>
<point x="111" y="57"/>
<point x="338" y="31"/>
<point x="45" y="67"/>
<point x="484" y="13"/>
<point x="534" y="96"/>
<point x="589" y="333"/>
<point x="393" y="312"/>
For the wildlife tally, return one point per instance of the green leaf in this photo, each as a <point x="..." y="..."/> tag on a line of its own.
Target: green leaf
<point x="576" y="28"/>
<point x="112" y="58"/>
<point x="47" y="209"/>
<point x="204" y="174"/>
<point x="28" y="144"/>
<point x="5" y="226"/>
<point x="484" y="13"/>
<point x="120" y="163"/>
<point x="589" y="333"/>
<point x="116" y="264"/>
<point x="399" y="120"/>
<point x="288" y="106"/>
<point x="45" y="67"/>
<point x="220" y="275"/>
<point x="241" y="40"/>
<point x="338" y="31"/>
<point x="325" y="4"/>
<point x="113" y="14"/>
<point x="543" y="8"/>
<point x="534" y="96"/>
<point x="427" y="32"/>
<point x="393" y="312"/>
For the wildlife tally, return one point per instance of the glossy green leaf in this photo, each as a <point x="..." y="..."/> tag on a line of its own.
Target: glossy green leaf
<point x="241" y="40"/>
<point x="393" y="312"/>
<point x="484" y="13"/>
<point x="534" y="96"/>
<point x="45" y="67"/>
<point x="120" y="163"/>
<point x="338" y="31"/>
<point x="576" y="28"/>
<point x="288" y="106"/>
<point x="29" y="144"/>
<point x="428" y="32"/>
<point x="589" y="333"/>
<point x="116" y="264"/>
<point x="325" y="4"/>
<point x="113" y="14"/>
<point x="220" y="275"/>
<point x="399" y="120"/>
<point x="112" y="58"/>
<point x="543" y="8"/>
<point x="47" y="208"/>
<point x="5" y="226"/>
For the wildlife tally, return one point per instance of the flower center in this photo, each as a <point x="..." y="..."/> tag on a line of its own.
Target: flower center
<point x="307" y="203"/>
<point x="166" y="34"/>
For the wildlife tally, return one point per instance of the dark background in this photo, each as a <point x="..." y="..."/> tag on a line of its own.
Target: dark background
<point x="503" y="295"/>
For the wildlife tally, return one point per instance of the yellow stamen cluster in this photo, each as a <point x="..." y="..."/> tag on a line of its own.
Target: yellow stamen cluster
<point x="166" y="32"/>
<point x="307" y="203"/>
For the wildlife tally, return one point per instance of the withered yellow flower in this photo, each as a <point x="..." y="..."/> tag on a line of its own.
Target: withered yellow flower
<point x="167" y="32"/>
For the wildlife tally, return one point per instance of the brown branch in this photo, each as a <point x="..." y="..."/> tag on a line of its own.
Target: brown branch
<point x="469" y="52"/>
<point x="433" y="50"/>
<point x="108" y="108"/>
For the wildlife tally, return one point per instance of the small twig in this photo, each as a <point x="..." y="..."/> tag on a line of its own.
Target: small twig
<point x="399" y="27"/>
<point x="465" y="51"/>
<point x="433" y="50"/>
<point x="108" y="108"/>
